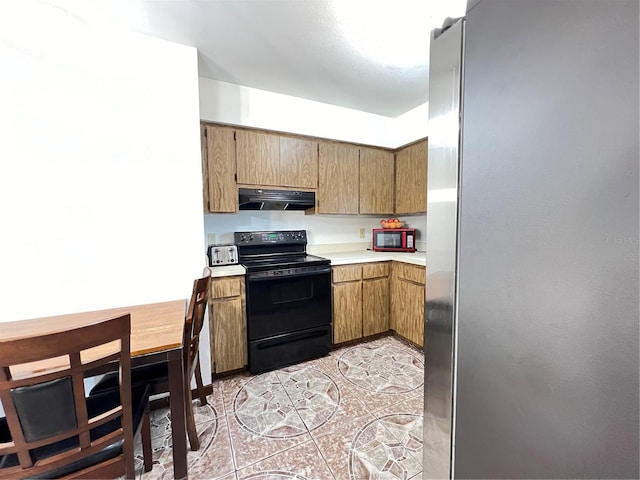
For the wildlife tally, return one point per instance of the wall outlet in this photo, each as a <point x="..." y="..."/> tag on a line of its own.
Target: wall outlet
<point x="361" y="232"/>
<point x="211" y="238"/>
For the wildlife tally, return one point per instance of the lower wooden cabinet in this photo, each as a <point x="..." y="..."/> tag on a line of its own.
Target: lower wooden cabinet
<point x="407" y="301"/>
<point x="347" y="311"/>
<point x="360" y="301"/>
<point x="227" y="324"/>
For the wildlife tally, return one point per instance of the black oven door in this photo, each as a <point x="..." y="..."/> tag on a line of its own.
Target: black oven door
<point x="294" y="300"/>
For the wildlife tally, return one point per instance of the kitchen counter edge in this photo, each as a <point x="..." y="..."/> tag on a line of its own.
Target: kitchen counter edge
<point x="226" y="271"/>
<point x="338" y="258"/>
<point x="347" y="258"/>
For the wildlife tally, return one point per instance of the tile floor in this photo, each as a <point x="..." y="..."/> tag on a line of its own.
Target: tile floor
<point x="354" y="414"/>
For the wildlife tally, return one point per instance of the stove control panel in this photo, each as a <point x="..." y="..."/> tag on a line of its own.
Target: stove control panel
<point x="281" y="237"/>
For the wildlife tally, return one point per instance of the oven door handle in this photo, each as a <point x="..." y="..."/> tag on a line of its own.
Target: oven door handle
<point x="291" y="337"/>
<point x="261" y="277"/>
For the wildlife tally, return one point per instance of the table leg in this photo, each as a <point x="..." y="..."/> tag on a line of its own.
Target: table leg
<point x="178" y="420"/>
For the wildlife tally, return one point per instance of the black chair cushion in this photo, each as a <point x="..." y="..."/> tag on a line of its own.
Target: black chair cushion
<point x="144" y="375"/>
<point x="37" y="422"/>
<point x="96" y="404"/>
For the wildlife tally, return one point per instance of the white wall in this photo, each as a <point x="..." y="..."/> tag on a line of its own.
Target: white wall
<point x="321" y="229"/>
<point x="100" y="182"/>
<point x="251" y="107"/>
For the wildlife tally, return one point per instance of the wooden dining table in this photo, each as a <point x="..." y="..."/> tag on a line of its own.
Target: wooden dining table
<point x="156" y="336"/>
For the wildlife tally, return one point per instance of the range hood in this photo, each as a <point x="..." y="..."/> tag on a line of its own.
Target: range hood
<point x="261" y="199"/>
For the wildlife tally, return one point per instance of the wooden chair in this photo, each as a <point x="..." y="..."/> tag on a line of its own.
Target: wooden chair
<point x="158" y="375"/>
<point x="51" y="430"/>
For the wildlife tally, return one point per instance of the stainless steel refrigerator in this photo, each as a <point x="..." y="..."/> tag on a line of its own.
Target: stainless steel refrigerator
<point x="531" y="317"/>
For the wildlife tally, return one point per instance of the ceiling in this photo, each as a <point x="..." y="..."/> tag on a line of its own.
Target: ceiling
<point x="366" y="55"/>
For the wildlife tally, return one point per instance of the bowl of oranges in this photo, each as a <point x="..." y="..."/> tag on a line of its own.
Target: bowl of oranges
<point x="391" y="223"/>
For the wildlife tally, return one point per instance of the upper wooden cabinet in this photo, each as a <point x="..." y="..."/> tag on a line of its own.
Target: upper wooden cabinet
<point x="348" y="179"/>
<point x="411" y="179"/>
<point x="267" y="159"/>
<point x="298" y="162"/>
<point x="219" y="169"/>
<point x="258" y="157"/>
<point x="376" y="181"/>
<point x="338" y="178"/>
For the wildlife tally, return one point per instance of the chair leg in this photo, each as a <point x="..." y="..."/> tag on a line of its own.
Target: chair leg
<point x="191" y="424"/>
<point x="200" y="386"/>
<point x="147" y="454"/>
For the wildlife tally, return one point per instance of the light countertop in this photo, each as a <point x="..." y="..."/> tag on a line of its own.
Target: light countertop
<point x="227" y="271"/>
<point x="366" y="256"/>
<point x="339" y="258"/>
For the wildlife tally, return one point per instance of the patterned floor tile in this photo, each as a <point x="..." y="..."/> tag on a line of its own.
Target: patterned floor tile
<point x="353" y="414"/>
<point x="215" y="459"/>
<point x="302" y="462"/>
<point x="334" y="446"/>
<point x="385" y="369"/>
<point x="249" y="447"/>
<point x="389" y="447"/>
<point x="229" y="388"/>
<point x="263" y="408"/>
<point x="214" y="407"/>
<point x="275" y="475"/>
<point x="314" y="395"/>
<point x="411" y="404"/>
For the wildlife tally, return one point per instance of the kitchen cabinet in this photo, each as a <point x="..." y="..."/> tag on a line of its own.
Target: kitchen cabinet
<point x="338" y="178"/>
<point x="411" y="179"/>
<point x="227" y="324"/>
<point x="267" y="159"/>
<point x="298" y="162"/>
<point x="407" y="301"/>
<point x="360" y="301"/>
<point x="375" y="298"/>
<point x="348" y="179"/>
<point x="376" y="181"/>
<point x="258" y="157"/>
<point x="219" y="169"/>
<point x="347" y="311"/>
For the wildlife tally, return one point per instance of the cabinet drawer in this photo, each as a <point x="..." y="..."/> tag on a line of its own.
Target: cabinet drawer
<point x="347" y="273"/>
<point x="375" y="270"/>
<point x="413" y="273"/>
<point x="226" y="287"/>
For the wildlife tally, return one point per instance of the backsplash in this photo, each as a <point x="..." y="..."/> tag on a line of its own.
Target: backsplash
<point x="321" y="229"/>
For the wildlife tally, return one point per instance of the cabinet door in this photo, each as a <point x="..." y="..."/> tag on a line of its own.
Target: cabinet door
<point x="229" y="342"/>
<point x="219" y="169"/>
<point x="375" y="306"/>
<point x="376" y="181"/>
<point x="411" y="179"/>
<point x="375" y="270"/>
<point x="258" y="157"/>
<point x="346" y="273"/>
<point x="205" y="168"/>
<point x="226" y="287"/>
<point x="408" y="311"/>
<point x="347" y="311"/>
<point x="298" y="163"/>
<point x="338" y="174"/>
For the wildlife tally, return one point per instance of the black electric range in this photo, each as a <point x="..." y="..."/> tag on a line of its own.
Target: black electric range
<point x="288" y="298"/>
